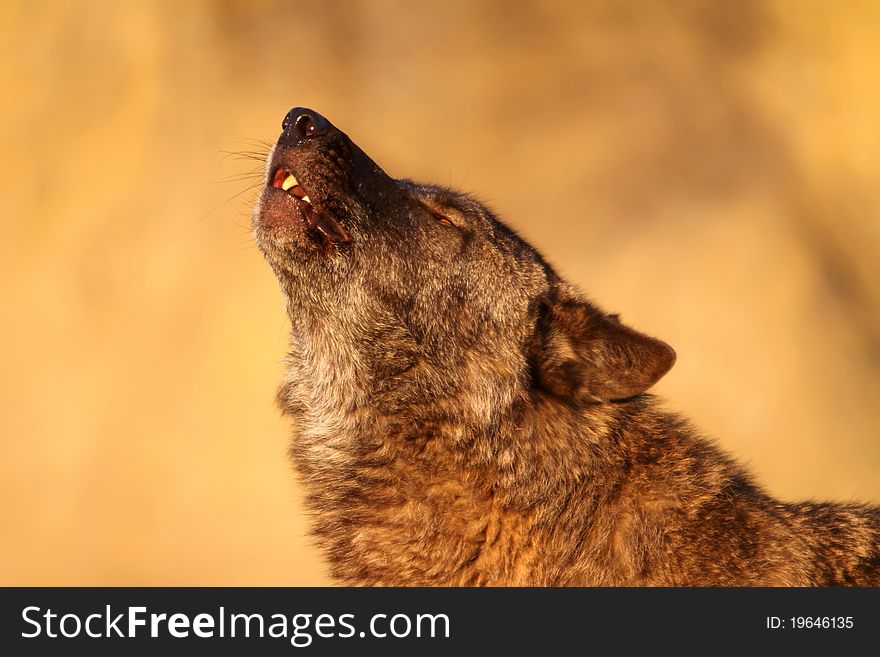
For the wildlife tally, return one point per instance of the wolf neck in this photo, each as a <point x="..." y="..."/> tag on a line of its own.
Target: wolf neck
<point x="354" y="365"/>
<point x="346" y="379"/>
<point x="387" y="443"/>
<point x="359" y="389"/>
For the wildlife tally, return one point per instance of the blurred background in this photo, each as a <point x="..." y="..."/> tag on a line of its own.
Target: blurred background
<point x="709" y="170"/>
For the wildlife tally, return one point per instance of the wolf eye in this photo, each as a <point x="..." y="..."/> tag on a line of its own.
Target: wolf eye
<point x="443" y="219"/>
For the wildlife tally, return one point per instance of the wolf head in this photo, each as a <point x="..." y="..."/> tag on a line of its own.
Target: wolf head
<point x="396" y="290"/>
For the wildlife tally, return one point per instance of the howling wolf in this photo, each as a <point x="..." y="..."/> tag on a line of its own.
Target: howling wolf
<point x="464" y="416"/>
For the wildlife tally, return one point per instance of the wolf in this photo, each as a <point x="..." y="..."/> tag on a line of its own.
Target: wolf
<point x="464" y="416"/>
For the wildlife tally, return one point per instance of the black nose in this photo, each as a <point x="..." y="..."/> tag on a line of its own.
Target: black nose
<point x="301" y="124"/>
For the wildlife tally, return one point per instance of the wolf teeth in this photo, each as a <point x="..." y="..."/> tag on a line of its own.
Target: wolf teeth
<point x="306" y="199"/>
<point x="289" y="182"/>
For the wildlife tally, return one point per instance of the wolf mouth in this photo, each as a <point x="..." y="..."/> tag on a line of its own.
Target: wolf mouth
<point x="312" y="216"/>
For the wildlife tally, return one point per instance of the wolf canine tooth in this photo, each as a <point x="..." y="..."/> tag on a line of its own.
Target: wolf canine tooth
<point x="289" y="182"/>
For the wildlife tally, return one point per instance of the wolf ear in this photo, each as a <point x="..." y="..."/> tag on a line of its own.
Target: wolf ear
<point x="586" y="355"/>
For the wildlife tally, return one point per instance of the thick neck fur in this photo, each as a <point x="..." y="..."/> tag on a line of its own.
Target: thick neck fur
<point x="475" y="489"/>
<point x="352" y="381"/>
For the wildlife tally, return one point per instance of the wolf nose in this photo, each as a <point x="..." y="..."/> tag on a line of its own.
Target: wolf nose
<point x="301" y="124"/>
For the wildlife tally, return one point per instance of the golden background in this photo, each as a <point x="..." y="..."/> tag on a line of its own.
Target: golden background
<point x="711" y="170"/>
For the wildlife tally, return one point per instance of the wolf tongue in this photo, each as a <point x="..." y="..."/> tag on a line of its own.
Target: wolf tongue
<point x="331" y="228"/>
<point x="327" y="225"/>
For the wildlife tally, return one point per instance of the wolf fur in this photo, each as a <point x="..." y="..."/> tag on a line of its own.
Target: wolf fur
<point x="464" y="416"/>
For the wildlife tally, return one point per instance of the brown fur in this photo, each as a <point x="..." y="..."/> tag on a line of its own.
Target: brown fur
<point x="463" y="416"/>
